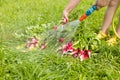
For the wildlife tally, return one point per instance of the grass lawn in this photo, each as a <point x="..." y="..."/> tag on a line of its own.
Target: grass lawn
<point x="17" y="15"/>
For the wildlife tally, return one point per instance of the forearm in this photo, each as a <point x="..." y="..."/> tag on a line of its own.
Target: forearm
<point x="109" y="14"/>
<point x="118" y="27"/>
<point x="71" y="5"/>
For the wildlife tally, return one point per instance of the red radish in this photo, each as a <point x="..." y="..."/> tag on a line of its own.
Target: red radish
<point x="43" y="46"/>
<point x="31" y="42"/>
<point x="65" y="20"/>
<point x="84" y="54"/>
<point x="54" y="27"/>
<point x="61" y="39"/>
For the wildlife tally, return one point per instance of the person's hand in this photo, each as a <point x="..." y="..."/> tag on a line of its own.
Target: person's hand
<point x="101" y="3"/>
<point x="65" y="17"/>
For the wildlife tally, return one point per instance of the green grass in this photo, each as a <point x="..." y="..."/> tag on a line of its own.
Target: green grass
<point x="17" y="15"/>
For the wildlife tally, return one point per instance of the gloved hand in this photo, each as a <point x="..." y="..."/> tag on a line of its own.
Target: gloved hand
<point x="101" y="35"/>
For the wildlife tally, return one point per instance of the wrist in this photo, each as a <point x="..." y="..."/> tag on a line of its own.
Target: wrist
<point x="66" y="10"/>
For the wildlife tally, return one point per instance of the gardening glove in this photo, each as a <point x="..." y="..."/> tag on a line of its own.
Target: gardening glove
<point x="112" y="41"/>
<point x="101" y="35"/>
<point x="101" y="3"/>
